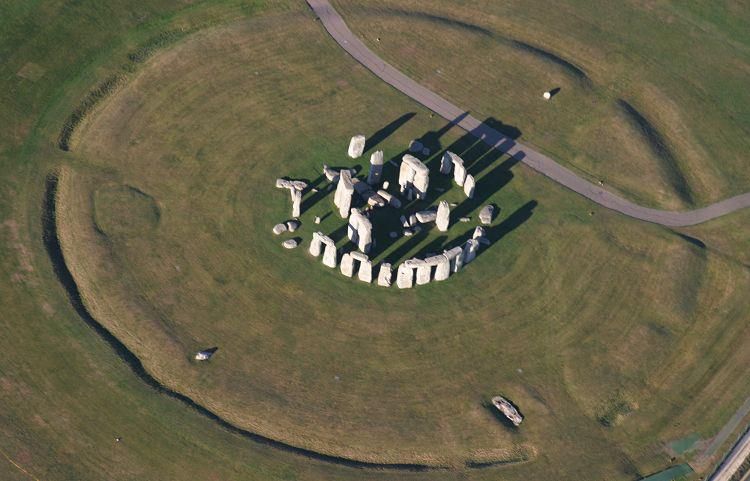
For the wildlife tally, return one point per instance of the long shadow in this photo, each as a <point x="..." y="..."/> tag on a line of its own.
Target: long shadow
<point x="314" y="197"/>
<point x="488" y="185"/>
<point x="513" y="222"/>
<point x="386" y="131"/>
<point x="397" y="255"/>
<point x="54" y="251"/>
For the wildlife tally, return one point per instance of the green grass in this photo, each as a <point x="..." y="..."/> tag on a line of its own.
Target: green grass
<point x="165" y="212"/>
<point x="497" y="58"/>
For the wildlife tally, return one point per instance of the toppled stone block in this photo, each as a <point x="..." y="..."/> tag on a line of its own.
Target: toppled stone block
<point x="425" y="216"/>
<point x="279" y="229"/>
<point x="290" y="243"/>
<point x="392" y="200"/>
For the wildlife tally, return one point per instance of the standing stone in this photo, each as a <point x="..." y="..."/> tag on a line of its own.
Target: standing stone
<point x="415" y="146"/>
<point x="296" y="202"/>
<point x="446" y="163"/>
<point x="459" y="173"/>
<point x="356" y="146"/>
<point x="470" y="250"/>
<point x="469" y="186"/>
<point x="292" y="225"/>
<point x="443" y="268"/>
<point x="485" y="215"/>
<point x="424" y="271"/>
<point x="344" y="193"/>
<point x="316" y="246"/>
<point x="478" y="233"/>
<point x="405" y="276"/>
<point x="376" y="168"/>
<point x="443" y="217"/>
<point x="347" y="265"/>
<point x="385" y="275"/>
<point x="359" y="230"/>
<point x="365" y="271"/>
<point x="456" y="258"/>
<point x="414" y="177"/>
<point x="329" y="255"/>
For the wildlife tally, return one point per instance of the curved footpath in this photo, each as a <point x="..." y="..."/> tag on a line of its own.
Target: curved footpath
<point x="337" y="28"/>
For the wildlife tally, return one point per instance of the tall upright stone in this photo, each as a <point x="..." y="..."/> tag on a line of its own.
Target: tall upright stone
<point x="459" y="173"/>
<point x="316" y="245"/>
<point x="347" y="265"/>
<point x="446" y="163"/>
<point x="443" y="219"/>
<point x="376" y="168"/>
<point x="296" y="202"/>
<point x="414" y="177"/>
<point x="344" y="192"/>
<point x="469" y="186"/>
<point x="405" y="276"/>
<point x="442" y="268"/>
<point x="456" y="258"/>
<point x="359" y="230"/>
<point x="365" y="271"/>
<point x="330" y="257"/>
<point x="471" y="247"/>
<point x="356" y="146"/>
<point x="385" y="275"/>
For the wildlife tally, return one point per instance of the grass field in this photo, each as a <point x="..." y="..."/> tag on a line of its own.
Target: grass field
<point x="613" y="336"/>
<point x="653" y="97"/>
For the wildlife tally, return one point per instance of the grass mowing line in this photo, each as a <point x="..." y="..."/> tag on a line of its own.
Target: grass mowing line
<point x="18" y="466"/>
<point x="54" y="251"/>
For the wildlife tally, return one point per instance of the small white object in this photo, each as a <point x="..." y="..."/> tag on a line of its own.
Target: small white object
<point x="386" y="184"/>
<point x="290" y="244"/>
<point x="356" y="146"/>
<point x="279" y="229"/>
<point x="292" y="225"/>
<point x="204" y="355"/>
<point x="547" y="95"/>
<point x="465" y="219"/>
<point x="317" y="220"/>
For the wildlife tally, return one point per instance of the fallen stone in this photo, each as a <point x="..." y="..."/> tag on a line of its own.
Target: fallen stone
<point x="485" y="215"/>
<point x="317" y="220"/>
<point x="386" y="184"/>
<point x="279" y="229"/>
<point x="425" y="216"/>
<point x="393" y="234"/>
<point x="465" y="219"/>
<point x="408" y="232"/>
<point x="290" y="243"/>
<point x="392" y="200"/>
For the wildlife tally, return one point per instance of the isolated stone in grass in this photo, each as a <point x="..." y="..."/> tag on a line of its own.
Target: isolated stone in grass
<point x="205" y="355"/>
<point x="290" y="243"/>
<point x="279" y="229"/>
<point x="547" y="95"/>
<point x="485" y="215"/>
<point x="356" y="146"/>
<point x="443" y="216"/>
<point x="316" y="220"/>
<point x="465" y="219"/>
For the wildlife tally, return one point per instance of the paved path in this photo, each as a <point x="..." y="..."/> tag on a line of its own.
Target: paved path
<point x="335" y="26"/>
<point x="734" y="460"/>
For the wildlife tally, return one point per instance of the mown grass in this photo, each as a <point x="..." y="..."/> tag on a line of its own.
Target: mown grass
<point x="66" y="395"/>
<point x="696" y="103"/>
